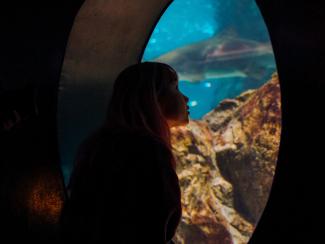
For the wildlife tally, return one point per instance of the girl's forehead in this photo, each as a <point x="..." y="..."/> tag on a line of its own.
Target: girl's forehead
<point x="174" y="82"/>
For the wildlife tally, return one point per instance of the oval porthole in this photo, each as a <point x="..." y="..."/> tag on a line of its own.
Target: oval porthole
<point x="227" y="154"/>
<point x="222" y="53"/>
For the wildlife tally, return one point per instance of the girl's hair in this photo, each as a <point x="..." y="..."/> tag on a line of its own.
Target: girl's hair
<point x="134" y="105"/>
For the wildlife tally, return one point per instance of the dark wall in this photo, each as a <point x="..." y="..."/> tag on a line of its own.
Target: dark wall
<point x="297" y="33"/>
<point x="32" y="46"/>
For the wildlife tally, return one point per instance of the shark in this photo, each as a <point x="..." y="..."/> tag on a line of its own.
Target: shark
<point x="222" y="56"/>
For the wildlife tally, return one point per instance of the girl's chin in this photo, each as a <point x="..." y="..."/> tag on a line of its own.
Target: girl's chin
<point x="187" y="120"/>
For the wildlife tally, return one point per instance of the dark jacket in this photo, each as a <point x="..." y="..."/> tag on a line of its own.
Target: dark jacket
<point x="123" y="191"/>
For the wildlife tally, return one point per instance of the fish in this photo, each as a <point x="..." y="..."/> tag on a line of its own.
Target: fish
<point x="222" y="56"/>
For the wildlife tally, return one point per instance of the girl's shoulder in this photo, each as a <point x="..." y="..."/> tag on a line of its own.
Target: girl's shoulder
<point x="130" y="136"/>
<point x="118" y="141"/>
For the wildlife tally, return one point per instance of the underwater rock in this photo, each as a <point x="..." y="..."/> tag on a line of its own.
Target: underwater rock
<point x="225" y="164"/>
<point x="207" y="198"/>
<point x="247" y="146"/>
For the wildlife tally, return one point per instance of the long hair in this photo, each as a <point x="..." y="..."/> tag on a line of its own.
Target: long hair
<point x="134" y="105"/>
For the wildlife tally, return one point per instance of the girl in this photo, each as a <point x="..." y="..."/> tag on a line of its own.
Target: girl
<point x="124" y="188"/>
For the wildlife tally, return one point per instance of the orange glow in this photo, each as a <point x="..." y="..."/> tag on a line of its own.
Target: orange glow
<point x="45" y="199"/>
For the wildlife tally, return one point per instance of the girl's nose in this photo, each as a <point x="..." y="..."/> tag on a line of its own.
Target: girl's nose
<point x="186" y="98"/>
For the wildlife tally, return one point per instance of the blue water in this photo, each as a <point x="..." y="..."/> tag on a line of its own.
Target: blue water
<point x="207" y="94"/>
<point x="186" y="22"/>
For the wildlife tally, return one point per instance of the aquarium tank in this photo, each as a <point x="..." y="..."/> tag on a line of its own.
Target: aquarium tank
<point x="226" y="156"/>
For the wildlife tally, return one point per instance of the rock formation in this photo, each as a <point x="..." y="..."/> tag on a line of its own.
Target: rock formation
<point x="226" y="163"/>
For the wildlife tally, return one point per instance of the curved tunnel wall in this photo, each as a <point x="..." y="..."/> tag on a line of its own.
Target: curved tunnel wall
<point x="106" y="37"/>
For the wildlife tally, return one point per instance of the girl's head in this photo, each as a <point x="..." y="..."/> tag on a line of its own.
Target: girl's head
<point x="146" y="98"/>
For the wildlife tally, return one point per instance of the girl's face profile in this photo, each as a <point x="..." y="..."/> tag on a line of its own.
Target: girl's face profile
<point x="174" y="105"/>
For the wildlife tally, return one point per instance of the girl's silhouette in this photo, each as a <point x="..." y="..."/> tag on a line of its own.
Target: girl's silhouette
<point x="124" y="188"/>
